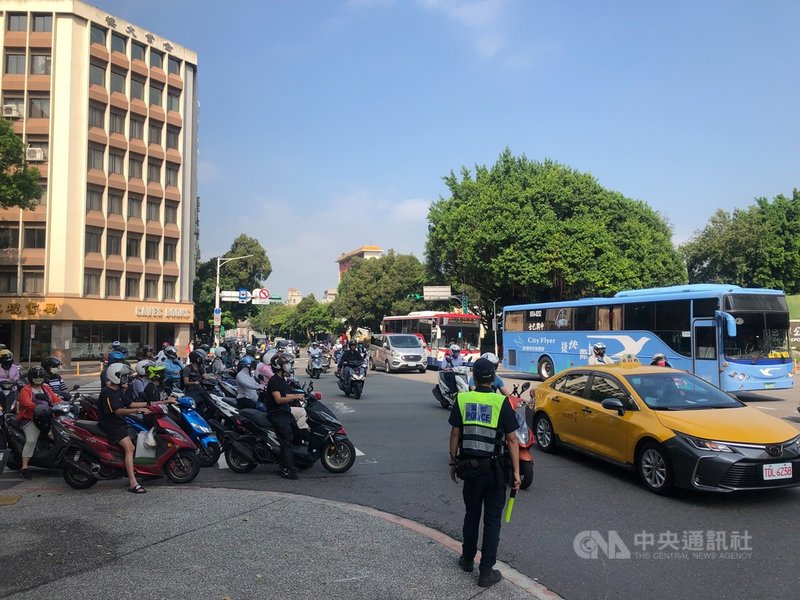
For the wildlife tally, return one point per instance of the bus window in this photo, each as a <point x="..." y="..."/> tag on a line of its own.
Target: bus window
<point x="705" y="307"/>
<point x="514" y="321"/>
<point x="585" y="318"/>
<point x="558" y="319"/>
<point x="609" y="318"/>
<point x="672" y="320"/>
<point x="705" y="344"/>
<point x="640" y="316"/>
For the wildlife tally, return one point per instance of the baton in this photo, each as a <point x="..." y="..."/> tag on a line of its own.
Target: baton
<point x="510" y="506"/>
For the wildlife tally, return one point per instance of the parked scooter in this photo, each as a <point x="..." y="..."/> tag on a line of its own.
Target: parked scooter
<point x="444" y="392"/>
<point x="90" y="456"/>
<point x="255" y="441"/>
<point x="525" y="437"/>
<point x="314" y="365"/>
<point x="53" y="439"/>
<point x="351" y="379"/>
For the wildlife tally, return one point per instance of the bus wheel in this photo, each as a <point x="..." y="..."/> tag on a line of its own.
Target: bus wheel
<point x="546" y="368"/>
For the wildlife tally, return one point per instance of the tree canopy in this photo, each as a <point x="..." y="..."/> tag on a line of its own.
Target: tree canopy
<point x="19" y="183"/>
<point x="755" y="247"/>
<point x="539" y="231"/>
<point x="248" y="273"/>
<point x="308" y="320"/>
<point x="376" y="287"/>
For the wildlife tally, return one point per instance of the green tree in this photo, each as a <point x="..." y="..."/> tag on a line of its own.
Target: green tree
<point x="313" y="318"/>
<point x="531" y="231"/>
<point x="376" y="287"/>
<point x="19" y="183"/>
<point x="248" y="273"/>
<point x="755" y="247"/>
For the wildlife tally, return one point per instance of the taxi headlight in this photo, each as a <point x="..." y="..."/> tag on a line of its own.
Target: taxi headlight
<point x="706" y="445"/>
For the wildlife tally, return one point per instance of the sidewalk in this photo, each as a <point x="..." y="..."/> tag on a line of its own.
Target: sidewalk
<point x="186" y="542"/>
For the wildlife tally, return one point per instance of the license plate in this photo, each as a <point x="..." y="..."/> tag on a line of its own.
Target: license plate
<point x="777" y="471"/>
<point x="769" y="386"/>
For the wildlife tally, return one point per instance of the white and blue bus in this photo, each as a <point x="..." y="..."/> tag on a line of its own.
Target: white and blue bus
<point x="736" y="338"/>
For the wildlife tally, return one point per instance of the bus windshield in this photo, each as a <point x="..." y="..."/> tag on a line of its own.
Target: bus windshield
<point x="759" y="335"/>
<point x="463" y="335"/>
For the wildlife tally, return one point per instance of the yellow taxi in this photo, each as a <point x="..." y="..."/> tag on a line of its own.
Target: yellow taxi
<point x="671" y="427"/>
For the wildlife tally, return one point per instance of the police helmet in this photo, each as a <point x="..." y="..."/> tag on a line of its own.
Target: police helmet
<point x="483" y="370"/>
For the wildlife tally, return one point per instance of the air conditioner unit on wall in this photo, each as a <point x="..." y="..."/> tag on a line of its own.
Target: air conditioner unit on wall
<point x="34" y="154"/>
<point x="10" y="110"/>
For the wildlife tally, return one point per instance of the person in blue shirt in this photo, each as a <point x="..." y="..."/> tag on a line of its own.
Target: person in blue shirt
<point x="498" y="385"/>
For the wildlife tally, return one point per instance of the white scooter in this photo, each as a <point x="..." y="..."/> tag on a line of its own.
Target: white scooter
<point x="443" y="391"/>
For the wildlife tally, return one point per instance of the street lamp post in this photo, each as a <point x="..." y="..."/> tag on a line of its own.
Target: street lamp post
<point x="494" y="324"/>
<point x="221" y="261"/>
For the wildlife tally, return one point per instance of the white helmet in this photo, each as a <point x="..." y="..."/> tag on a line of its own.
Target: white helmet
<point x="141" y="367"/>
<point x="118" y="373"/>
<point x="455" y="348"/>
<point x="267" y="356"/>
<point x="491" y="357"/>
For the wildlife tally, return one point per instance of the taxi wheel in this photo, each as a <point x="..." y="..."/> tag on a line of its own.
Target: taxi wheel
<point x="655" y="468"/>
<point x="545" y="436"/>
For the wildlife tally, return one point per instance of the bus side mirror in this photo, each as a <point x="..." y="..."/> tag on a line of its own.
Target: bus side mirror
<point x="730" y="322"/>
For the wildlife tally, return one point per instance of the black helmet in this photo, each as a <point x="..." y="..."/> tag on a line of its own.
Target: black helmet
<point x="279" y="362"/>
<point x="351" y="343"/>
<point x="197" y="356"/>
<point x="6" y="358"/>
<point x="36" y="375"/>
<point x="205" y="347"/>
<point x="171" y="352"/>
<point x="41" y="417"/>
<point x="483" y="370"/>
<point x="250" y="351"/>
<point x="51" y="364"/>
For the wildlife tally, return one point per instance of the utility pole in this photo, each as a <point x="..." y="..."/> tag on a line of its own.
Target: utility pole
<point x="494" y="324"/>
<point x="221" y="261"/>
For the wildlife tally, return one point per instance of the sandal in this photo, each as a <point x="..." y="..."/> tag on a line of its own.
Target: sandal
<point x="137" y="490"/>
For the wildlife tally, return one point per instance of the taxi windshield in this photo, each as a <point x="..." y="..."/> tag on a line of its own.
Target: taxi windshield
<point x="679" y="391"/>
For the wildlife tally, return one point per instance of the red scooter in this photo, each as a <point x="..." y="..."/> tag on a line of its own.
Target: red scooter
<point x="90" y="457"/>
<point x="525" y="436"/>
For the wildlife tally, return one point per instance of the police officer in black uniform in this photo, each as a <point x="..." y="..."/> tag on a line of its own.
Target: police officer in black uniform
<point x="481" y="442"/>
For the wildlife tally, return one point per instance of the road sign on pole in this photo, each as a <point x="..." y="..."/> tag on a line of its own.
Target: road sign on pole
<point x="260" y="296"/>
<point x="217" y="320"/>
<point x="436" y="292"/>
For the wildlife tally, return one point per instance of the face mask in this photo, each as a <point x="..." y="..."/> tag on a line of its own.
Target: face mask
<point x="37" y="381"/>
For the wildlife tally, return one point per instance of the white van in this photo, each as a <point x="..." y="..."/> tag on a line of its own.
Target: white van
<point x="397" y="352"/>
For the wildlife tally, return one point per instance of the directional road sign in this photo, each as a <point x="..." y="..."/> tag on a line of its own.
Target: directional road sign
<point x="228" y="295"/>
<point x="217" y="311"/>
<point x="260" y="296"/>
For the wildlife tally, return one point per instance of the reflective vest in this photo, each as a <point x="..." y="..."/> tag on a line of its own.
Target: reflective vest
<point x="480" y="416"/>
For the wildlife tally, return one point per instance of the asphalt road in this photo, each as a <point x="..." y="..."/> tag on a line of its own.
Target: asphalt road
<point x="403" y="432"/>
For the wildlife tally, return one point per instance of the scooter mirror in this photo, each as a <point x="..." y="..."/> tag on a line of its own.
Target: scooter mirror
<point x="525" y="386"/>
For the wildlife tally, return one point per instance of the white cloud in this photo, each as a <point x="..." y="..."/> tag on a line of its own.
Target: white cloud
<point x="483" y="19"/>
<point x="409" y="211"/>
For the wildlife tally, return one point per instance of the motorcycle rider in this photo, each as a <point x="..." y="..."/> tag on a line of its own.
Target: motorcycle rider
<point x="155" y="390"/>
<point x="313" y="352"/>
<point x="8" y="370"/>
<point x="278" y="399"/>
<point x="351" y="355"/>
<point x="116" y="346"/>
<point x="218" y="363"/>
<point x="114" y="357"/>
<point x="660" y="360"/>
<point x="498" y="385"/>
<point x="137" y="384"/>
<point x="598" y="356"/>
<point x="35" y="393"/>
<point x="194" y="372"/>
<point x="52" y="367"/>
<point x="246" y="385"/>
<point x="452" y="359"/>
<point x="173" y="366"/>
<point x="113" y="407"/>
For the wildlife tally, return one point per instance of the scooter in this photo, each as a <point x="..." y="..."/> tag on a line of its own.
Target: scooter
<point x="9" y="390"/>
<point x="254" y="440"/>
<point x="443" y="392"/>
<point x="53" y="440"/>
<point x="351" y="379"/>
<point x="525" y="437"/>
<point x="326" y="362"/>
<point x="314" y="365"/>
<point x="90" y="456"/>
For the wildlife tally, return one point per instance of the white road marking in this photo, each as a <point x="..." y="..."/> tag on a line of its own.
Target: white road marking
<point x="221" y="463"/>
<point x="360" y="453"/>
<point x="343" y="408"/>
<point x="766" y="408"/>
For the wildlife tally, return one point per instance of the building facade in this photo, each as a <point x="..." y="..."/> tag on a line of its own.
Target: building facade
<point x="108" y="113"/>
<point x="346" y="259"/>
<point x="293" y="297"/>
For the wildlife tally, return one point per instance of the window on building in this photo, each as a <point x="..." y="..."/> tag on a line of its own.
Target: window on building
<point x="153" y="211"/>
<point x="92" y="240"/>
<point x="173" y="100"/>
<point x="15" y="64"/>
<point x="112" y="285"/>
<point x="40" y="64"/>
<point x="17" y="22"/>
<point x="118" y="81"/>
<point x="134" y="207"/>
<point x="8" y="280"/>
<point x="98" y="35"/>
<point x="137" y="88"/>
<point x="156" y="91"/>
<point x="172" y="175"/>
<point x="97" y="74"/>
<point x="17" y="101"/>
<point x="156" y="59"/>
<point x="132" y="286"/>
<point x="174" y="66"/>
<point x="138" y="51"/>
<point x="171" y="213"/>
<point x="135" y="166"/>
<point x="94" y="199"/>
<point x="116" y="163"/>
<point x="132" y="246"/>
<point x="9" y="237"/>
<point x="119" y="43"/>
<point x="91" y="283"/>
<point x="114" y="203"/>
<point x="151" y="248"/>
<point x="44" y="146"/>
<point x="96" y="157"/>
<point x="154" y="171"/>
<point x="97" y="116"/>
<point x="169" y="289"/>
<point x="154" y="132"/>
<point x="170" y="251"/>
<point x="151" y="289"/>
<point x="42" y="23"/>
<point x="39" y="107"/>
<point x="173" y="134"/>
<point x="113" y="244"/>
<point x="137" y="128"/>
<point x="33" y="280"/>
<point x="117" y="123"/>
<point x="35" y="237"/>
<point x="43" y="198"/>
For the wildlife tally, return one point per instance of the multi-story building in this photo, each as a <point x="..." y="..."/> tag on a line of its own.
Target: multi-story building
<point x="108" y="113"/>
<point x="293" y="297"/>
<point x="346" y="259"/>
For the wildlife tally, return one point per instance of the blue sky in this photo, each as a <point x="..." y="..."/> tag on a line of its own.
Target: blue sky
<point x="360" y="108"/>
